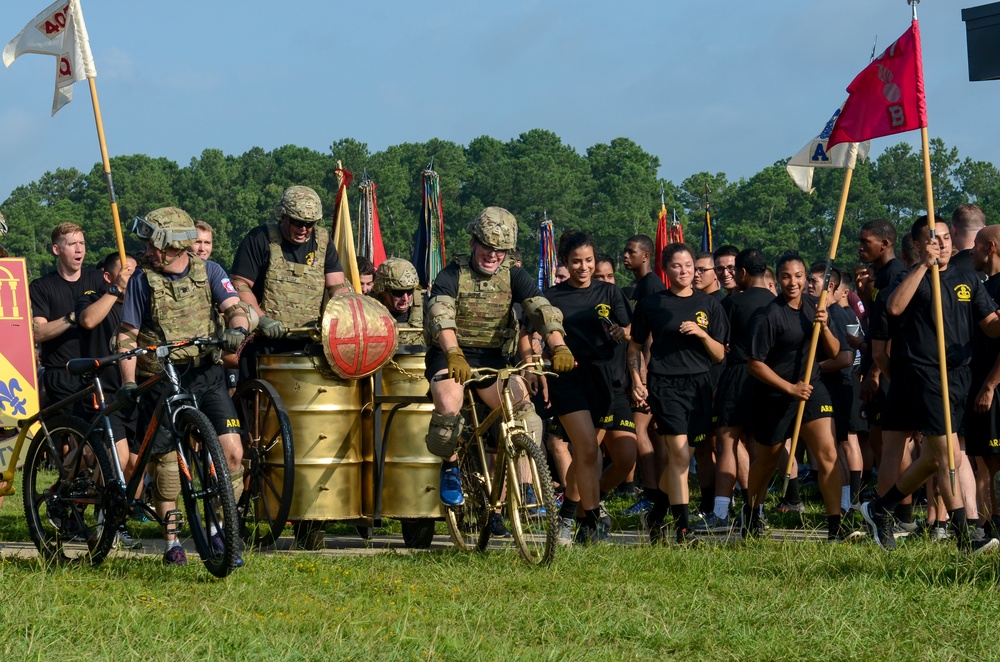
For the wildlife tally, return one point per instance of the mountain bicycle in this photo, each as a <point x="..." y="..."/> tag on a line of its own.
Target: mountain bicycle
<point x="75" y="493"/>
<point x="519" y="475"/>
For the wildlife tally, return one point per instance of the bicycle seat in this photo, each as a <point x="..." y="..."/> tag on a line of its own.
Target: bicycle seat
<point x="90" y="366"/>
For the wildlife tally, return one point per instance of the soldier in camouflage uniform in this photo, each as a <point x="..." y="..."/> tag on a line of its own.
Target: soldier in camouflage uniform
<point x="397" y="286"/>
<point x="284" y="269"/>
<point x="469" y="322"/>
<point x="176" y="295"/>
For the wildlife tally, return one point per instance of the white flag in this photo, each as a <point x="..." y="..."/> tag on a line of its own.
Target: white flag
<point x="815" y="155"/>
<point x="61" y="32"/>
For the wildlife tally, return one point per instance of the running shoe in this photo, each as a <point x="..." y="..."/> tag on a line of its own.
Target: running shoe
<point x="846" y="535"/>
<point x="497" y="528"/>
<point x="175" y="556"/>
<point x="903" y="529"/>
<point x="786" y="507"/>
<point x="605" y="516"/>
<point x="125" y="539"/>
<point x="451" y="487"/>
<point x="880" y="524"/>
<point x="656" y="532"/>
<point x="587" y="535"/>
<point x="641" y="506"/>
<point x="219" y="546"/>
<point x="940" y="533"/>
<point x="530" y="499"/>
<point x="565" y="536"/>
<point x="686" y="537"/>
<point x="711" y="523"/>
<point x="977" y="547"/>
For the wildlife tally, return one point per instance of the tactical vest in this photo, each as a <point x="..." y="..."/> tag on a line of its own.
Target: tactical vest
<point x="482" y="308"/>
<point x="411" y="329"/>
<point x="293" y="292"/>
<point x="179" y="309"/>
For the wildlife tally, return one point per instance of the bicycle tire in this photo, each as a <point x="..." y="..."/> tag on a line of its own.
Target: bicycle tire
<point x="64" y="504"/>
<point x="533" y="521"/>
<point x="207" y="492"/>
<point x="268" y="460"/>
<point x="468" y="521"/>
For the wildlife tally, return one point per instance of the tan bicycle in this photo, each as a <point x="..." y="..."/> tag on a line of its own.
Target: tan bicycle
<point x="519" y="480"/>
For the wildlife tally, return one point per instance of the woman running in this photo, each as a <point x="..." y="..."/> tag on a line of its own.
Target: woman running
<point x="779" y="348"/>
<point x="689" y="331"/>
<point x="596" y="317"/>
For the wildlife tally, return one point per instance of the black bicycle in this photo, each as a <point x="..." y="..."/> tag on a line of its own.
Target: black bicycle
<point x="75" y="494"/>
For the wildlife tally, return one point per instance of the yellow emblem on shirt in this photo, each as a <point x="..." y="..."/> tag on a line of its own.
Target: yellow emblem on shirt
<point x="310" y="258"/>
<point x="963" y="292"/>
<point x="701" y="319"/>
<point x="603" y="309"/>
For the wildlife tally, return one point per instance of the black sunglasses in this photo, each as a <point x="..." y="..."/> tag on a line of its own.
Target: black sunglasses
<point x="307" y="225"/>
<point x="399" y="293"/>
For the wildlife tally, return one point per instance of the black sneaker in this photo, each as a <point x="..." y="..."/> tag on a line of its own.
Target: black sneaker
<point x="846" y="535"/>
<point x="686" y="537"/>
<point x="656" y="532"/>
<point x="497" y="528"/>
<point x="880" y="525"/>
<point x="589" y="535"/>
<point x="976" y="547"/>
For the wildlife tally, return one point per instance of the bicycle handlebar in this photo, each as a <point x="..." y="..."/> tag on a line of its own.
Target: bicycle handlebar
<point x="86" y="366"/>
<point x="481" y="373"/>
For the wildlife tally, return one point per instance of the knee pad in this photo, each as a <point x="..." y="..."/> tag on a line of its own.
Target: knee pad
<point x="166" y="477"/>
<point x="443" y="433"/>
<point x="236" y="478"/>
<point x="526" y="414"/>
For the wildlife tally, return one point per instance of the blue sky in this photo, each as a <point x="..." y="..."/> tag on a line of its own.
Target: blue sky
<point x="720" y="86"/>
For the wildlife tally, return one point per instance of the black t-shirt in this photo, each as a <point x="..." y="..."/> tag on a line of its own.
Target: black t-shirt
<point x="741" y="308"/>
<point x="645" y="286"/>
<point x="672" y="352"/>
<point x="583" y="308"/>
<point x="96" y="342"/>
<point x="719" y="295"/>
<point x="885" y="281"/>
<point x="53" y="297"/>
<point x="964" y="301"/>
<point x="253" y="257"/>
<point x="781" y="337"/>
<point x="985" y="349"/>
<point x="838" y="321"/>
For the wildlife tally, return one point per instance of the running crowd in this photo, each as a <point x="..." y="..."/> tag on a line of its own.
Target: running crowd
<point x="706" y="372"/>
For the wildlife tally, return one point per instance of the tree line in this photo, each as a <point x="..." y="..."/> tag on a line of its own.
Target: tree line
<point x="611" y="191"/>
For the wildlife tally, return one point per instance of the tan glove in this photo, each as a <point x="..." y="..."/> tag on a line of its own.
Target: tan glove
<point x="562" y="359"/>
<point x="458" y="367"/>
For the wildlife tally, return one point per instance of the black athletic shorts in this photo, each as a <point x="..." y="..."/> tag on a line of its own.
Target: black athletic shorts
<point x="208" y="383"/>
<point x="774" y="413"/>
<point x="586" y="387"/>
<point x="59" y="385"/>
<point x="122" y="421"/>
<point x="620" y="417"/>
<point x="914" y="401"/>
<point x="682" y="405"/>
<point x="734" y="397"/>
<point x="840" y="395"/>
<point x="982" y="431"/>
<point x="875" y="410"/>
<point x="858" y="422"/>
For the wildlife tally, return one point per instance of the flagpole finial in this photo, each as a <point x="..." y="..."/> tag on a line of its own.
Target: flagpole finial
<point x="913" y="6"/>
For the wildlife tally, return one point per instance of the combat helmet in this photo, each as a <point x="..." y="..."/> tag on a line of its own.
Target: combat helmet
<point x="495" y="227"/>
<point x="301" y="203"/>
<point x="395" y="274"/>
<point x="167" y="227"/>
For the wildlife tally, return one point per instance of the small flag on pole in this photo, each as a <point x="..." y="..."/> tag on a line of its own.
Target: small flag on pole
<point x="546" y="254"/>
<point x="661" y="239"/>
<point x="816" y="155"/>
<point x="58" y="31"/>
<point x="343" y="233"/>
<point x="706" y="232"/>
<point x="887" y="97"/>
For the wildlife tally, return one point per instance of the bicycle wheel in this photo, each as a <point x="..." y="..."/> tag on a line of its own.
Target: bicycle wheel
<point x="208" y="493"/>
<point x="531" y="500"/>
<point x="466" y="522"/>
<point x="64" y="494"/>
<point x="268" y="460"/>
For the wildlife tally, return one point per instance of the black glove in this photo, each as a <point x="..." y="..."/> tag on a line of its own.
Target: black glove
<point x="232" y="339"/>
<point x="270" y="328"/>
<point x="125" y="396"/>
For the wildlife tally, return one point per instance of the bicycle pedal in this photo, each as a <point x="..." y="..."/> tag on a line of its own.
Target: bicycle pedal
<point x="173" y="522"/>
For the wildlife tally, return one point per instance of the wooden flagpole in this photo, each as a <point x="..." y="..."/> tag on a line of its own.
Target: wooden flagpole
<point x="107" y="172"/>
<point x="814" y="341"/>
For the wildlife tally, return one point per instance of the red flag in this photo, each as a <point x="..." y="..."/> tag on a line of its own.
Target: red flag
<point x="887" y="97"/>
<point x="661" y="243"/>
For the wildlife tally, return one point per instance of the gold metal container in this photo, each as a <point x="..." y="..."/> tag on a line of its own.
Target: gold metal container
<point x="412" y="475"/>
<point x="325" y="413"/>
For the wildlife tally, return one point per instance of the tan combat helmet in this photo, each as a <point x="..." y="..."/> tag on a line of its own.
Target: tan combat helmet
<point x="495" y="227"/>
<point x="167" y="227"/>
<point x="301" y="203"/>
<point x="395" y="274"/>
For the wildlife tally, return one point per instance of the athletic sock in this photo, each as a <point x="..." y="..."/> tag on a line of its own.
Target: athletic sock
<point x="745" y="495"/>
<point x="845" y="498"/>
<point x="591" y="518"/>
<point x="661" y="505"/>
<point x="792" y="494"/>
<point x="721" y="508"/>
<point x="449" y="464"/>
<point x="855" y="483"/>
<point x="649" y="493"/>
<point x="568" y="508"/>
<point x="707" y="501"/>
<point x="832" y="526"/>
<point x="960" y="527"/>
<point x="680" y="513"/>
<point x="904" y="512"/>
<point x="627" y="486"/>
<point x="173" y="543"/>
<point x="888" y="501"/>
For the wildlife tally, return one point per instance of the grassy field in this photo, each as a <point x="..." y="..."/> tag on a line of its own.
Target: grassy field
<point x="760" y="600"/>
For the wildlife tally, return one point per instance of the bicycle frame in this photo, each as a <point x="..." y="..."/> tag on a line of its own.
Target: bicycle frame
<point x="505" y="412"/>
